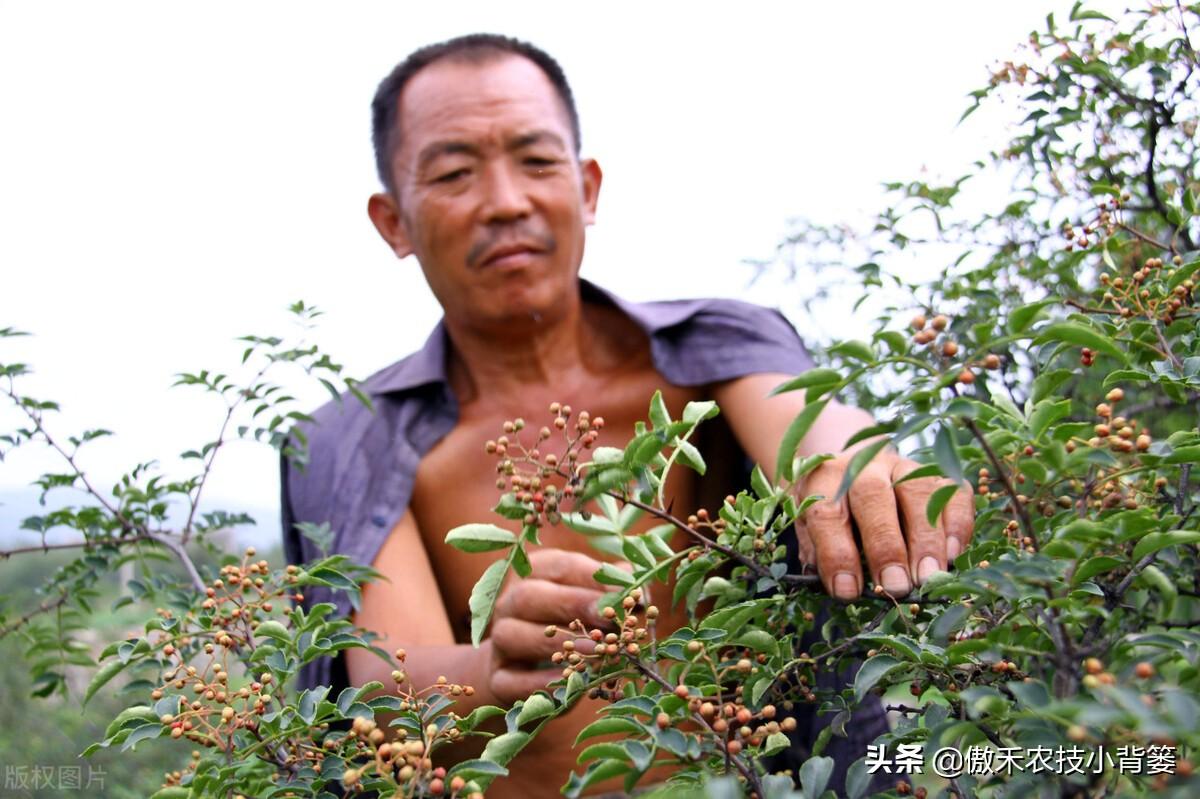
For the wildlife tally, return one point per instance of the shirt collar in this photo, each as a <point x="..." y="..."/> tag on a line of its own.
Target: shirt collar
<point x="427" y="365"/>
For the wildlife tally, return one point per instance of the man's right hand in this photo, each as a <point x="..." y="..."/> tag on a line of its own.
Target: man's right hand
<point x="559" y="591"/>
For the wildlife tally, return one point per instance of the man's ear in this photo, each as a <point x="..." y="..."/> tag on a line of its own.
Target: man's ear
<point x="385" y="214"/>
<point x="592" y="176"/>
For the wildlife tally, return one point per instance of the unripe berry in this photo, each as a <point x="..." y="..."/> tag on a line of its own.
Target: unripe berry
<point x="1093" y="665"/>
<point x="662" y="721"/>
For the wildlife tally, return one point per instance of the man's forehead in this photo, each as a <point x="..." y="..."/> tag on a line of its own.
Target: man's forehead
<point x="455" y="93"/>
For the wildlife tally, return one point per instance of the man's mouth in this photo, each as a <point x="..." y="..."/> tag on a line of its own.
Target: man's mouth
<point x="510" y="255"/>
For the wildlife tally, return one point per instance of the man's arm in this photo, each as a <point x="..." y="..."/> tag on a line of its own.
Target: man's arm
<point x="897" y="539"/>
<point x="408" y="612"/>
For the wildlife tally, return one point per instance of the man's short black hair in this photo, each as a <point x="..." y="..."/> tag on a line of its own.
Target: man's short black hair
<point x="476" y="48"/>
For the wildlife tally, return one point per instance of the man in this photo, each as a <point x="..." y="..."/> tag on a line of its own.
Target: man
<point x="477" y="143"/>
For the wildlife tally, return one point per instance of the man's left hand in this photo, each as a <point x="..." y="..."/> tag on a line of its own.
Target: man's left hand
<point x="901" y="547"/>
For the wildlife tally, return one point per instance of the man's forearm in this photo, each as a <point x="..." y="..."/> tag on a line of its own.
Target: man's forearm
<point x="833" y="428"/>
<point x="459" y="664"/>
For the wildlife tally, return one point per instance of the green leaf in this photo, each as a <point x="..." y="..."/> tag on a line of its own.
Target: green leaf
<point x="1046" y="413"/>
<point x="937" y="501"/>
<point x="1153" y="542"/>
<point x="799" y="427"/>
<point x="760" y="484"/>
<point x="535" y="707"/>
<point x="479" y="538"/>
<point x="483" y="598"/>
<point x="689" y="456"/>
<point x="814" y="775"/>
<point x="759" y="641"/>
<point x="608" y="726"/>
<point x="1093" y="566"/>
<point x="775" y="744"/>
<point x="857" y="463"/>
<point x="106" y="673"/>
<point x="696" y="412"/>
<point x="474" y="769"/>
<point x="143" y="733"/>
<point x="172" y="792"/>
<point x="605" y="750"/>
<point x="503" y="748"/>
<point x="609" y="574"/>
<point x="813" y="377"/>
<point x="478" y="716"/>
<point x="1081" y="335"/>
<point x="945" y="452"/>
<point x="273" y="629"/>
<point x="306" y="708"/>
<point x="1020" y="318"/>
<point x="659" y="417"/>
<point x="855" y="350"/>
<point x="858" y="778"/>
<point x="872" y="671"/>
<point x="1181" y="274"/>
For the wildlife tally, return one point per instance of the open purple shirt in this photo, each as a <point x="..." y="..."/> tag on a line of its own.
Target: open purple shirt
<point x="363" y="465"/>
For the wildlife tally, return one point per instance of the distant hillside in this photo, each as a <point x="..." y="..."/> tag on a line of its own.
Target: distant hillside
<point x="17" y="504"/>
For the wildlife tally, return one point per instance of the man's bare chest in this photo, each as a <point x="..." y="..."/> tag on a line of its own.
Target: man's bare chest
<point x="457" y="481"/>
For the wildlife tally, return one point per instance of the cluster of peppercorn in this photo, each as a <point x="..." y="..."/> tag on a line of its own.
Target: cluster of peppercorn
<point x="931" y="333"/>
<point x="232" y="605"/>
<point x="232" y="609"/>
<point x="406" y="758"/>
<point x="527" y="472"/>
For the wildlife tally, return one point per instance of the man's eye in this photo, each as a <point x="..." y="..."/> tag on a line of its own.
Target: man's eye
<point x="540" y="163"/>
<point x="450" y="177"/>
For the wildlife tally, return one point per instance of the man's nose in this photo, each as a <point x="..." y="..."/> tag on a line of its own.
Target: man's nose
<point x="505" y="198"/>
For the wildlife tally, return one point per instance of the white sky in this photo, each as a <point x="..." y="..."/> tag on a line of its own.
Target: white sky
<point x="174" y="174"/>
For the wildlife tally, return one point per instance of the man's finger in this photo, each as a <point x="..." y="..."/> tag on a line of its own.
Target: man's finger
<point x="873" y="504"/>
<point x="958" y="518"/>
<point x="548" y="602"/>
<point x="926" y="543"/>
<point x="567" y="568"/>
<point x="519" y="641"/>
<point x="510" y="684"/>
<point x="828" y="522"/>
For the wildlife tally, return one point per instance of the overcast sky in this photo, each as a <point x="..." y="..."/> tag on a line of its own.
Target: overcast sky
<point x="173" y="174"/>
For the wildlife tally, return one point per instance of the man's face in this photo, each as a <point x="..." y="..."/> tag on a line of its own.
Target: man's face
<point x="489" y="194"/>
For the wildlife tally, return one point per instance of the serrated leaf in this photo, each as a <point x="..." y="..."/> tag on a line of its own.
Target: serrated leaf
<point x="871" y="672"/>
<point x="799" y="427"/>
<point x="696" y="412"/>
<point x="813" y="377"/>
<point x="937" y="502"/>
<point x="857" y="463"/>
<point x="1154" y="542"/>
<point x="659" y="417"/>
<point x="535" y="707"/>
<point x="608" y="726"/>
<point x="1020" y="318"/>
<point x="106" y="673"/>
<point x="483" y="598"/>
<point x="479" y="538"/>
<point x="689" y="456"/>
<point x="1081" y="335"/>
<point x="775" y="744"/>
<point x="503" y="748"/>
<point x="945" y="452"/>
